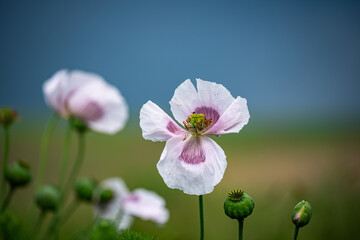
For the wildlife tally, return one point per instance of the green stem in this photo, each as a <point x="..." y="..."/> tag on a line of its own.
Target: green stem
<point x="4" y="166"/>
<point x="65" y="157"/>
<point x="8" y="198"/>
<point x="296" y="232"/>
<point x="68" y="212"/>
<point x="39" y="223"/>
<point x="69" y="184"/>
<point x="241" y="225"/>
<point x="44" y="149"/>
<point x="77" y="165"/>
<point x="201" y="217"/>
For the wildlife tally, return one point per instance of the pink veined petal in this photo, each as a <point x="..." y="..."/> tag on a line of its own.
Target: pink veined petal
<point x="184" y="101"/>
<point x="194" y="166"/>
<point x="232" y="120"/>
<point x="210" y="98"/>
<point x="214" y="95"/>
<point x="156" y="125"/>
<point x="52" y="90"/>
<point x="146" y="205"/>
<point x="110" y="210"/>
<point x="100" y="105"/>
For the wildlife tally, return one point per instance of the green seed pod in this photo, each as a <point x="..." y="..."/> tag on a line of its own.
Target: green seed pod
<point x="47" y="198"/>
<point x="7" y="116"/>
<point x="238" y="205"/>
<point x="84" y="189"/>
<point x="106" y="195"/>
<point x="18" y="174"/>
<point x="301" y="214"/>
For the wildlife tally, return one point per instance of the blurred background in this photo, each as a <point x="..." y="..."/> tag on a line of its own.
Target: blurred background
<point x="296" y="62"/>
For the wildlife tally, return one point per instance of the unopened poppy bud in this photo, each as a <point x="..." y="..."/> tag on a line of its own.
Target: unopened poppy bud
<point x="7" y="116"/>
<point x="238" y="205"/>
<point x="84" y="189"/>
<point x="78" y="125"/>
<point x="301" y="214"/>
<point x="106" y="195"/>
<point x="47" y="198"/>
<point x="18" y="174"/>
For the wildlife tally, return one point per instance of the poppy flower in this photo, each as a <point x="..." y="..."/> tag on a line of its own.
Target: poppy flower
<point x="88" y="98"/>
<point x="191" y="161"/>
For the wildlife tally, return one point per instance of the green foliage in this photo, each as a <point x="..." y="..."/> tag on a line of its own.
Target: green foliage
<point x="10" y="227"/>
<point x="107" y="230"/>
<point x="131" y="235"/>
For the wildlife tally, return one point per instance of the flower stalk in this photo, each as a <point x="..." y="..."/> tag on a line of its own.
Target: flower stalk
<point x="296" y="232"/>
<point x="201" y="217"/>
<point x="8" y="198"/>
<point x="5" y="160"/>
<point x="65" y="157"/>
<point x="241" y="225"/>
<point x="44" y="149"/>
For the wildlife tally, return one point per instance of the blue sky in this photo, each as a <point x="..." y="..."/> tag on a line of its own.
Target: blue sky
<point x="288" y="57"/>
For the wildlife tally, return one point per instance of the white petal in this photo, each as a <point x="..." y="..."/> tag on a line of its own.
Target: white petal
<point x="146" y="205"/>
<point x="232" y="120"/>
<point x="100" y="106"/>
<point x="184" y="101"/>
<point x="156" y="125"/>
<point x="210" y="98"/>
<point x="194" y="165"/>
<point x="214" y="95"/>
<point x="126" y="221"/>
<point x="113" y="208"/>
<point x="52" y="91"/>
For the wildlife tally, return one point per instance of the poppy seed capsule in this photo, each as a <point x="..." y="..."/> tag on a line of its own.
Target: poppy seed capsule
<point x="84" y="189"/>
<point x="238" y="205"/>
<point x="18" y="174"/>
<point x="301" y="214"/>
<point x="47" y="198"/>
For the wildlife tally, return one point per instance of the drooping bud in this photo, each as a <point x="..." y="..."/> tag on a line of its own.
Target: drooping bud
<point x="7" y="117"/>
<point x="301" y="214"/>
<point x="78" y="125"/>
<point x="238" y="205"/>
<point x="18" y="174"/>
<point x="47" y="198"/>
<point x="84" y="189"/>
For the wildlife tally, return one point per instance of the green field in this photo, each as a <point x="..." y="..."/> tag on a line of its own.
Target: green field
<point x="275" y="164"/>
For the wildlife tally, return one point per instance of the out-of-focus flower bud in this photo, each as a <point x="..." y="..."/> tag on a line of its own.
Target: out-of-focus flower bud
<point x="84" y="189"/>
<point x="106" y="195"/>
<point x="301" y="214"/>
<point x="238" y="205"/>
<point x="18" y="174"/>
<point x="47" y="198"/>
<point x="7" y="117"/>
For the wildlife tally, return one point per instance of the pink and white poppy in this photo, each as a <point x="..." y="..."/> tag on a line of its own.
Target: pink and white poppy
<point x="88" y="98"/>
<point x="191" y="161"/>
<point x="125" y="205"/>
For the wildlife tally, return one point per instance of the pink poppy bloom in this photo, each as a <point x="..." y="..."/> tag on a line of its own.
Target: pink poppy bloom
<point x="125" y="205"/>
<point x="191" y="161"/>
<point x="88" y="98"/>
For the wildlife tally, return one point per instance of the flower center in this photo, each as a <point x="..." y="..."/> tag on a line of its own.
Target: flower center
<point x="197" y="123"/>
